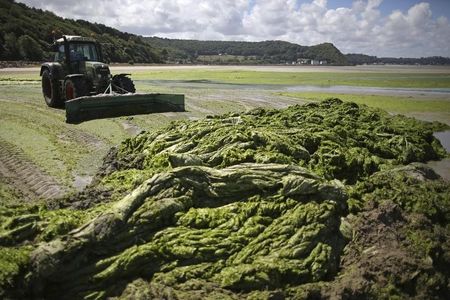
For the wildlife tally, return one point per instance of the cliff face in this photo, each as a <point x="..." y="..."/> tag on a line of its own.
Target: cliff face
<point x="322" y="200"/>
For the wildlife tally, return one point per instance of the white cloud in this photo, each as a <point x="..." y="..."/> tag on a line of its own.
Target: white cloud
<point x="360" y="28"/>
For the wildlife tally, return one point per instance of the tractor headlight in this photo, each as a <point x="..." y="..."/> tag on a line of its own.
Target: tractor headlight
<point x="102" y="73"/>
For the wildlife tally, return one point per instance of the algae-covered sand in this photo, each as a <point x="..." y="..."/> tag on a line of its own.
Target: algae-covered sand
<point x="325" y="200"/>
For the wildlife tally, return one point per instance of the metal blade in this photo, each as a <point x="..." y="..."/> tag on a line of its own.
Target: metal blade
<point x="107" y="106"/>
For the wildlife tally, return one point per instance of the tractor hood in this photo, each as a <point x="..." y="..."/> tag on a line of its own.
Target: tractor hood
<point x="95" y="69"/>
<point x="96" y="65"/>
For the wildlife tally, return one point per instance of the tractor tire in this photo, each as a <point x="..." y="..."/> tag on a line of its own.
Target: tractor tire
<point x="75" y="87"/>
<point x="50" y="90"/>
<point x="123" y="85"/>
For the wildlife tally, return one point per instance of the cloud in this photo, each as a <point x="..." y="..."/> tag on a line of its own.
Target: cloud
<point x="360" y="28"/>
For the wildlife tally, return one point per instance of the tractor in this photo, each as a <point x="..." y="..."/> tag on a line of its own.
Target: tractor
<point x="78" y="73"/>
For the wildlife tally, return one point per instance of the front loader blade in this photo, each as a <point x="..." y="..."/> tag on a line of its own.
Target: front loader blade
<point x="107" y="106"/>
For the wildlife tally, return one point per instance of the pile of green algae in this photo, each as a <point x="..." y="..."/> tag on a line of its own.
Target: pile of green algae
<point x="324" y="200"/>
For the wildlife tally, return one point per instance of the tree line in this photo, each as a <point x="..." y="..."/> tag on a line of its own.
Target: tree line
<point x="359" y="59"/>
<point x="262" y="52"/>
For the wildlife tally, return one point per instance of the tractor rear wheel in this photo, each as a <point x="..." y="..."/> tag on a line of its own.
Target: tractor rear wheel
<point x="75" y="87"/>
<point x="123" y="85"/>
<point x="50" y="90"/>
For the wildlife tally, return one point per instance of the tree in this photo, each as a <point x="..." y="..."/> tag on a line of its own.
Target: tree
<point x="164" y="54"/>
<point x="2" y="47"/>
<point x="11" y="50"/>
<point x="29" y="49"/>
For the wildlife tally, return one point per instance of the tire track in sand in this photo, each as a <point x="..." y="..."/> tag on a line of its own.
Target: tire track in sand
<point x="16" y="169"/>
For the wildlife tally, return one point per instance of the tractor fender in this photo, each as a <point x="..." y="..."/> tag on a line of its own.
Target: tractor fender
<point x="120" y="75"/>
<point x="74" y="76"/>
<point x="55" y="70"/>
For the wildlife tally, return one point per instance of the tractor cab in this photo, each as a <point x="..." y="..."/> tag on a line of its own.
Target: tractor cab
<point x="77" y="54"/>
<point x="78" y="51"/>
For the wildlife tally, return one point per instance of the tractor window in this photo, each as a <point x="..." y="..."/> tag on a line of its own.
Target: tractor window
<point x="85" y="51"/>
<point x="59" y="56"/>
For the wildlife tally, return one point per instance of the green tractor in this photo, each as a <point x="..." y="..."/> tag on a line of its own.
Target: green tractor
<point x="78" y="73"/>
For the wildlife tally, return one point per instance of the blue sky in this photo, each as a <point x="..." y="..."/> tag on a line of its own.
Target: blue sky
<point x="407" y="28"/>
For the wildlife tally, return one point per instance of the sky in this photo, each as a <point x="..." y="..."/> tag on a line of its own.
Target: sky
<point x="389" y="28"/>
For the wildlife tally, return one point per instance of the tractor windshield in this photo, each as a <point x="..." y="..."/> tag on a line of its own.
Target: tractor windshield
<point x="83" y="51"/>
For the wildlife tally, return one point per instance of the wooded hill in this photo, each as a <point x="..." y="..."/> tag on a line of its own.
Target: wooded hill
<point x="26" y="34"/>
<point x="270" y="52"/>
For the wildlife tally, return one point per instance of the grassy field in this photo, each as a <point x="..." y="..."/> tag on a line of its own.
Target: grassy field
<point x="68" y="152"/>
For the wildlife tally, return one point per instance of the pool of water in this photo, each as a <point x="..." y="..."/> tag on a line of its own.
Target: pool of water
<point x="207" y="84"/>
<point x="444" y="138"/>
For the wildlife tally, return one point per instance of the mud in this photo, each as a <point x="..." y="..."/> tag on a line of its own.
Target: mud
<point x="326" y="200"/>
<point x="398" y="249"/>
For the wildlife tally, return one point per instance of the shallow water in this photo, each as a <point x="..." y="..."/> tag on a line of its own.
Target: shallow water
<point x="81" y="181"/>
<point x="444" y="138"/>
<point x="207" y="84"/>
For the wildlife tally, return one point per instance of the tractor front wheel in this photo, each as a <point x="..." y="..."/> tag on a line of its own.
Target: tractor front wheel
<point x="75" y="87"/>
<point x="50" y="89"/>
<point x="123" y="85"/>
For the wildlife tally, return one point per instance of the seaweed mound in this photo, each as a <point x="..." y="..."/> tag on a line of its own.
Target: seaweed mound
<point x="333" y="139"/>
<point x="265" y="204"/>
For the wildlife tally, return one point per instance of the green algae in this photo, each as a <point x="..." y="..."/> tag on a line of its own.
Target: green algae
<point x="195" y="218"/>
<point x="414" y="187"/>
<point x="24" y="223"/>
<point x="13" y="262"/>
<point x="250" y="205"/>
<point x="333" y="139"/>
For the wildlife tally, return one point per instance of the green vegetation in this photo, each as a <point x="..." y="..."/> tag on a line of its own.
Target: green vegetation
<point x="400" y="186"/>
<point x="296" y="77"/>
<point x="406" y="80"/>
<point x="267" y="52"/>
<point x="359" y="59"/>
<point x="254" y="136"/>
<point x="59" y="149"/>
<point x="243" y="205"/>
<point x="26" y="34"/>
<point x="389" y="103"/>
<point x="226" y="59"/>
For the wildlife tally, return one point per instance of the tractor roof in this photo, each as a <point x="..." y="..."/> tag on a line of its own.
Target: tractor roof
<point x="76" y="38"/>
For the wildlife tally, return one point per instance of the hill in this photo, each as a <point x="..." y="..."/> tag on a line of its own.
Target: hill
<point x="270" y="52"/>
<point x="26" y="33"/>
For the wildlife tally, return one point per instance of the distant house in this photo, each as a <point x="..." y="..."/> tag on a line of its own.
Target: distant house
<point x="303" y="61"/>
<point x="307" y="61"/>
<point x="317" y="62"/>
